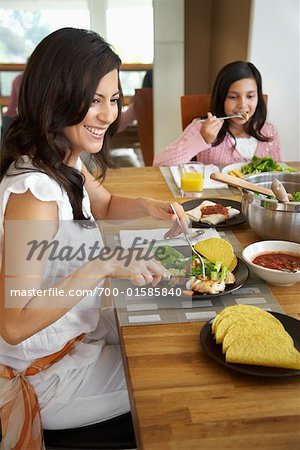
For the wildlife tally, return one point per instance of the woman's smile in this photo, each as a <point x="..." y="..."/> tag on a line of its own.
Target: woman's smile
<point x="95" y="131"/>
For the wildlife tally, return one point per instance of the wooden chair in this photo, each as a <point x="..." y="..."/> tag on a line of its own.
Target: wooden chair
<point x="197" y="105"/>
<point x="193" y="105"/>
<point x="143" y="104"/>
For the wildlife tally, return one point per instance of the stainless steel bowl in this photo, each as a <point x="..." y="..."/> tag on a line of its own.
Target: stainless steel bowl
<point x="268" y="218"/>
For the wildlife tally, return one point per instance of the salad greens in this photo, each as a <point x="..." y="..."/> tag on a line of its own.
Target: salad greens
<point x="213" y="271"/>
<point x="296" y="196"/>
<point x="265" y="164"/>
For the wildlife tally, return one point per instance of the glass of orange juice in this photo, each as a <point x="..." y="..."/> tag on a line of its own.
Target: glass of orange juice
<point x="192" y="179"/>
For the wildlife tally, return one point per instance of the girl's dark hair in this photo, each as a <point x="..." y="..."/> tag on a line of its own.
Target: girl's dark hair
<point x="57" y="89"/>
<point x="230" y="73"/>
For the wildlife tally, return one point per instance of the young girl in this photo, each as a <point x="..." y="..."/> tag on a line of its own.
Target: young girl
<point x="237" y="89"/>
<point x="60" y="360"/>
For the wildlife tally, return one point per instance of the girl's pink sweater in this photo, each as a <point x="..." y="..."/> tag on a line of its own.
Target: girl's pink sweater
<point x="191" y="144"/>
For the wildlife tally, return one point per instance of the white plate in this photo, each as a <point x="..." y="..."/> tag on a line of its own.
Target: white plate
<point x="235" y="166"/>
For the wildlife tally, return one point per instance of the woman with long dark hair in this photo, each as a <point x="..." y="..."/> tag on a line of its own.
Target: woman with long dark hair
<point x="237" y="90"/>
<point x="60" y="360"/>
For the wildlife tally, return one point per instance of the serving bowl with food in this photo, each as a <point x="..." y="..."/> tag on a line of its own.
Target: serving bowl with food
<point x="268" y="217"/>
<point x="276" y="262"/>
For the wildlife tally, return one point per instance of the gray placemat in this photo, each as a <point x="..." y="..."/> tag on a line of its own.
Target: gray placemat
<point x="165" y="171"/>
<point x="135" y="305"/>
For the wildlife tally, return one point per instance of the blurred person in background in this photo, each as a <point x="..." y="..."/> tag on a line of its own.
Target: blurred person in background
<point x="12" y="108"/>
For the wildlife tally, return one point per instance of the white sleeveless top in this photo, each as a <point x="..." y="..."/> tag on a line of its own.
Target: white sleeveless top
<point x="246" y="146"/>
<point x="82" y="318"/>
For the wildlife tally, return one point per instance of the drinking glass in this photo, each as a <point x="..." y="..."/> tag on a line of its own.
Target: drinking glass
<point x="192" y="179"/>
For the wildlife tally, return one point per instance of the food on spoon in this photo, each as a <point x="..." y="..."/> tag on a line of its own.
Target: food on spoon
<point x="245" y="116"/>
<point x="212" y="213"/>
<point x="250" y="335"/>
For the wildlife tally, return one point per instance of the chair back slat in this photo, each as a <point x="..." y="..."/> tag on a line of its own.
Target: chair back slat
<point x="143" y="104"/>
<point x="193" y="105"/>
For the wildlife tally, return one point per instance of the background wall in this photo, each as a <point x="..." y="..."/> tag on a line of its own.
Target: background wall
<point x="168" y="74"/>
<point x="229" y="33"/>
<point x="197" y="45"/>
<point x="216" y="32"/>
<point x="274" y="48"/>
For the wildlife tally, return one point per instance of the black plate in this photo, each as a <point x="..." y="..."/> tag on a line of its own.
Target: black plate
<point x="214" y="350"/>
<point x="238" y="220"/>
<point x="241" y="273"/>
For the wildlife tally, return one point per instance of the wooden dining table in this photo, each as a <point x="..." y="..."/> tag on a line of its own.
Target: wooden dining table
<point x="181" y="399"/>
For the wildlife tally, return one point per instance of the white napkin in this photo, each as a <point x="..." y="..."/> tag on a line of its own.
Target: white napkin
<point x="127" y="237"/>
<point x="208" y="183"/>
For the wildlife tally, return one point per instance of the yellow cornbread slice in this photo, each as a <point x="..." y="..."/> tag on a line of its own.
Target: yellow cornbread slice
<point x="233" y="264"/>
<point x="243" y="320"/>
<point x="248" y="310"/>
<point x="263" y="351"/>
<point x="217" y="249"/>
<point x="250" y="335"/>
<point x="254" y="329"/>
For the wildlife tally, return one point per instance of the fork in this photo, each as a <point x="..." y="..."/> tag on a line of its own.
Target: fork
<point x="240" y="116"/>
<point x="188" y="240"/>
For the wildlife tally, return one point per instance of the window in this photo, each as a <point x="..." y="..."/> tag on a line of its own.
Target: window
<point x="25" y="25"/>
<point x="130" y="30"/>
<point x="126" y="24"/>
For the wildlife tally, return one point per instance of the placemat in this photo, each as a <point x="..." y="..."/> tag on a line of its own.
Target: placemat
<point x="135" y="305"/>
<point x="220" y="192"/>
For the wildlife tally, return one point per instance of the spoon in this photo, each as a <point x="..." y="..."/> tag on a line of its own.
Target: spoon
<point x="279" y="191"/>
<point x="243" y="184"/>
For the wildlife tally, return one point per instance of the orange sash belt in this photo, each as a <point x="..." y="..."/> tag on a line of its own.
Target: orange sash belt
<point x="19" y="408"/>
